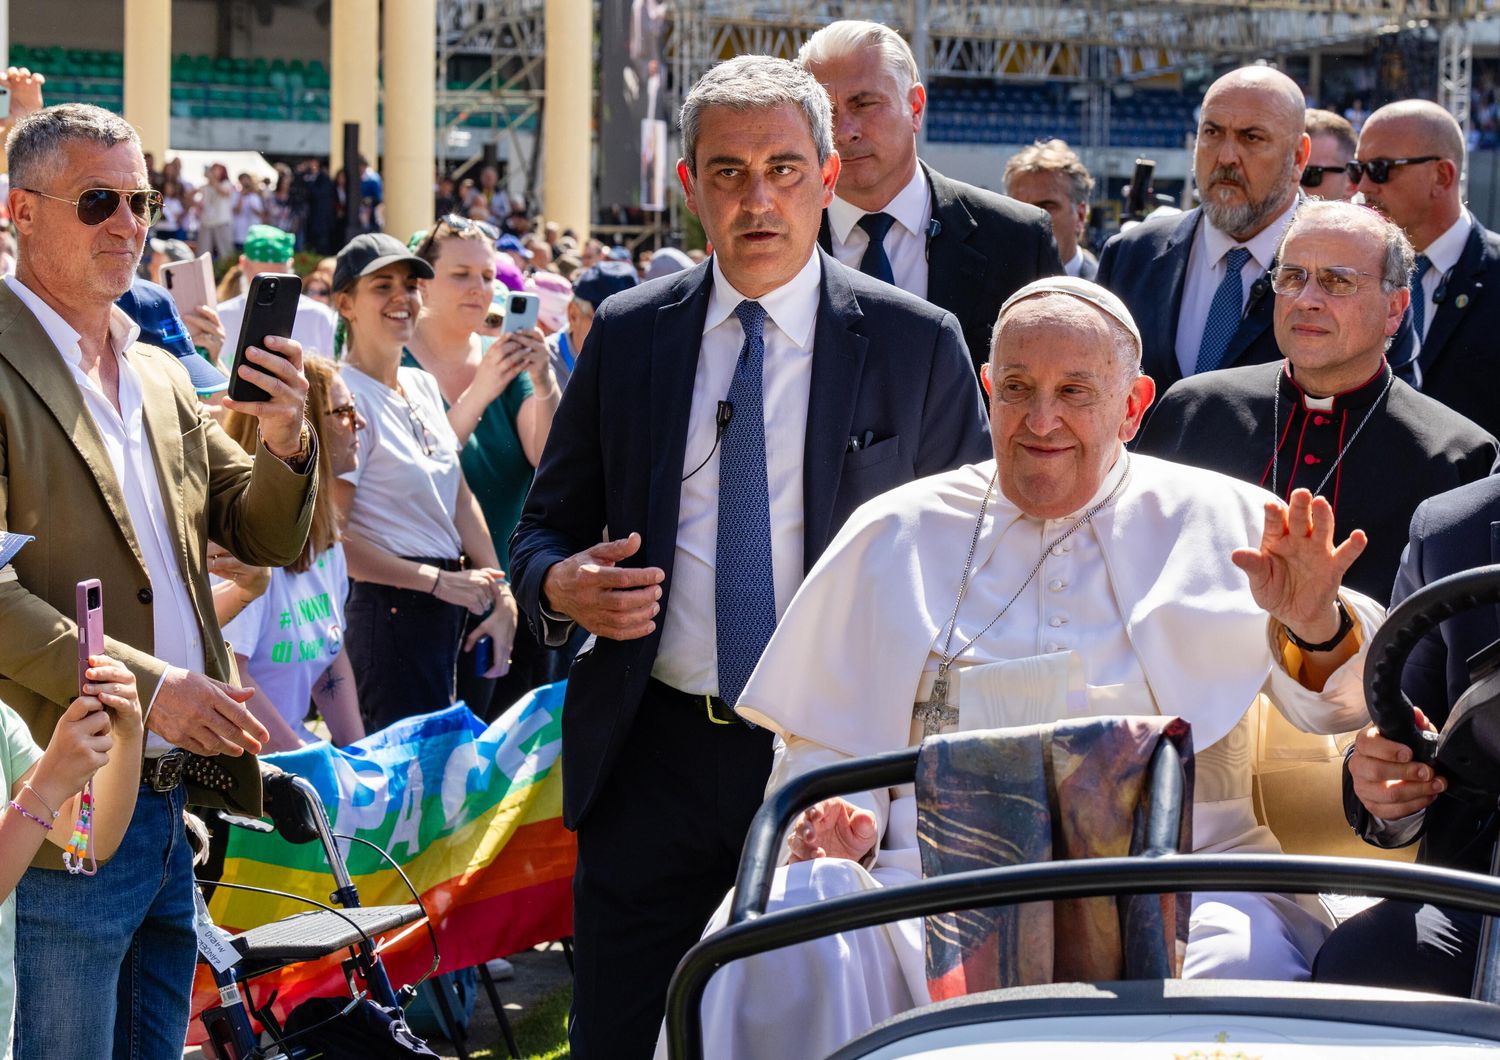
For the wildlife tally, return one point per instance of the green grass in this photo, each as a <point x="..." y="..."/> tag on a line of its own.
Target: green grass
<point x="542" y="1033"/>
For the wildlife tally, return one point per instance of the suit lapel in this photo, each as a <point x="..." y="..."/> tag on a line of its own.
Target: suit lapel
<point x="955" y="270"/>
<point x="24" y="343"/>
<point x="675" y="344"/>
<point x="837" y="362"/>
<point x="1252" y="326"/>
<point x="1462" y="290"/>
<point x="1172" y="262"/>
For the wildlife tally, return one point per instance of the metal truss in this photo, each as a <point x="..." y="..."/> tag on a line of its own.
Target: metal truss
<point x="1050" y="40"/>
<point x="508" y="36"/>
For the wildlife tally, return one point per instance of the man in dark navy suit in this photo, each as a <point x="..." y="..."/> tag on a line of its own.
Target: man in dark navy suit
<point x="1197" y="283"/>
<point x="719" y="426"/>
<point x="1409" y="163"/>
<point x="1392" y="802"/>
<point x="896" y="218"/>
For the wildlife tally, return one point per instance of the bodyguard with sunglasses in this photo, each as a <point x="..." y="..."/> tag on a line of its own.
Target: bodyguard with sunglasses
<point x="1408" y="166"/>
<point x="108" y="460"/>
<point x="1332" y="418"/>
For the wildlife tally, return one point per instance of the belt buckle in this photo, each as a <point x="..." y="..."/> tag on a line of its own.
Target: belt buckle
<point x="167" y="773"/>
<point x="708" y="706"/>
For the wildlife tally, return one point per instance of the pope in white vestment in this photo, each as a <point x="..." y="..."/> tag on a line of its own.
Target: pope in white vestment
<point x="1139" y="611"/>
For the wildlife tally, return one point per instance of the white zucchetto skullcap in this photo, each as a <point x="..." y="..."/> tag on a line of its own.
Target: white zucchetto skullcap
<point x="1086" y="290"/>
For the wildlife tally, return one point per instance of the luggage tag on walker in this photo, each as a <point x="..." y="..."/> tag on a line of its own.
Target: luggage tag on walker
<point x="213" y="941"/>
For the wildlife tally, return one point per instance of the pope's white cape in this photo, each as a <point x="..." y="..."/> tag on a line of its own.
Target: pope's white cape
<point x="885" y="587"/>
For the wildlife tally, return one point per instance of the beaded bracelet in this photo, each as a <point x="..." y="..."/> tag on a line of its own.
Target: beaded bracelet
<point x="24" y="812"/>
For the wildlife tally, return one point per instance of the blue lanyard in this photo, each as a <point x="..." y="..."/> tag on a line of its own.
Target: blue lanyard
<point x="565" y="348"/>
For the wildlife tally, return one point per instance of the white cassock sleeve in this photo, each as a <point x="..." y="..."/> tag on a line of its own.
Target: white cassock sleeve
<point x="795" y="756"/>
<point x="1340" y="707"/>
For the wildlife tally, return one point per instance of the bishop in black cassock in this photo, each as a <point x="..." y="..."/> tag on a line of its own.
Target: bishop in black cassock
<point x="1399" y="448"/>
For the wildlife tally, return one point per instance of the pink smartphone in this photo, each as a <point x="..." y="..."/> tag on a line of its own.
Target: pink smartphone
<point x="90" y="625"/>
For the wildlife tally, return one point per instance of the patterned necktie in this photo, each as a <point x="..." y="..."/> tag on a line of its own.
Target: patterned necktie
<point x="1419" y="296"/>
<point x="875" y="263"/>
<point x="1223" y="313"/>
<point x="744" y="590"/>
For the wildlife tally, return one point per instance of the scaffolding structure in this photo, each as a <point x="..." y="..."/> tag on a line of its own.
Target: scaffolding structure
<point x="504" y="41"/>
<point x="1096" y="44"/>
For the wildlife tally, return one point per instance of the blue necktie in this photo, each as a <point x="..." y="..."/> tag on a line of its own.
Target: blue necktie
<point x="744" y="590"/>
<point x="1419" y="296"/>
<point x="1223" y="313"/>
<point x="875" y="263"/>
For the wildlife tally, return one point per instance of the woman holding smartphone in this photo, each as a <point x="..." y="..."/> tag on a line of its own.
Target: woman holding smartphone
<point x="500" y="395"/>
<point x="410" y="519"/>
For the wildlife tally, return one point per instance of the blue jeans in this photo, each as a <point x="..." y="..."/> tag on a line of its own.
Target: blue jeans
<point x="104" y="964"/>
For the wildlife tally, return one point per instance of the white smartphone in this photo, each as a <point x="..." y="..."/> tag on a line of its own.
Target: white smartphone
<point x="190" y="283"/>
<point x="521" y="308"/>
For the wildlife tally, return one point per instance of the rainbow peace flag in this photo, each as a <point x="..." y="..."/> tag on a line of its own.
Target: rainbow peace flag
<point x="472" y="815"/>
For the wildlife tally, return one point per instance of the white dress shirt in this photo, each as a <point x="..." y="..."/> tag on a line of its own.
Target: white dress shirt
<point x="688" y="657"/>
<point x="178" y="641"/>
<point x="1205" y="271"/>
<point x="1074" y="265"/>
<point x="1443" y="252"/>
<point x="905" y="243"/>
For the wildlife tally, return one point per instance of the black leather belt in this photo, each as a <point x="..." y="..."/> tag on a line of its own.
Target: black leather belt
<point x="164" y="773"/>
<point x="712" y="707"/>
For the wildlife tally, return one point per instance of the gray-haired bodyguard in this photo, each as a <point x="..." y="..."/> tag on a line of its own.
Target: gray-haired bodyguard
<point x="108" y="460"/>
<point x="749" y="405"/>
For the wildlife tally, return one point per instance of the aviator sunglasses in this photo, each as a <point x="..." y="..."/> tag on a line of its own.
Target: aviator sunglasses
<point x="1379" y="169"/>
<point x="97" y="205"/>
<point x="455" y="223"/>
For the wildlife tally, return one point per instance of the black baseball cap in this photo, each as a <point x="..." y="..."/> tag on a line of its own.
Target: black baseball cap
<point x="372" y="252"/>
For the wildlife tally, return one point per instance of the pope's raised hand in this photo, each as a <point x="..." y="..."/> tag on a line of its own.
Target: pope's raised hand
<point x="833" y="828"/>
<point x="1296" y="572"/>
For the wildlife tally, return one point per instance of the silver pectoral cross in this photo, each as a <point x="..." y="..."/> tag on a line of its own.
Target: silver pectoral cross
<point x="935" y="712"/>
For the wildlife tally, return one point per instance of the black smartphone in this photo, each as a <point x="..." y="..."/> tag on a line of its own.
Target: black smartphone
<point x="1140" y="185"/>
<point x="270" y="309"/>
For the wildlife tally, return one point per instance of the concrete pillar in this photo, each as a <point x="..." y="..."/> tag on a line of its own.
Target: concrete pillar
<point x="567" y="117"/>
<point x="148" y="73"/>
<point x="410" y="112"/>
<point x="354" y="36"/>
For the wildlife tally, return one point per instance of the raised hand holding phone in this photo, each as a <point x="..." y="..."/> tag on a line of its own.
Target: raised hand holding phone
<point x="267" y="381"/>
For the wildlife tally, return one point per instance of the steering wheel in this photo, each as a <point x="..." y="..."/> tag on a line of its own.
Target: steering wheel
<point x="1467" y="751"/>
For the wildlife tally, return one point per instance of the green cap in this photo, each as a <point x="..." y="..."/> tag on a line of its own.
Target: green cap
<point x="267" y="243"/>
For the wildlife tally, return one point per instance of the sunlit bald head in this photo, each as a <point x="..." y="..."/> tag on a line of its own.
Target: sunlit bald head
<point x="1250" y="149"/>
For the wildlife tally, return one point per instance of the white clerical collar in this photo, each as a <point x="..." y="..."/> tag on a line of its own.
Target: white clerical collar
<point x="1446" y="249"/>
<point x="1074" y="265"/>
<point x="911" y="207"/>
<point x="792" y="307"/>
<point x="1262" y="245"/>
<point x="123" y="331"/>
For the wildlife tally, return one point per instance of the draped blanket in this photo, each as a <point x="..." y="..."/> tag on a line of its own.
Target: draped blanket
<point x="1072" y="789"/>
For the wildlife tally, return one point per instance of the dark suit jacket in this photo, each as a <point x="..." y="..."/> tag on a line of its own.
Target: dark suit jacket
<point x="1451" y="532"/>
<point x="987" y="247"/>
<point x="1147" y="268"/>
<point x="883" y="361"/>
<point x="1460" y="362"/>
